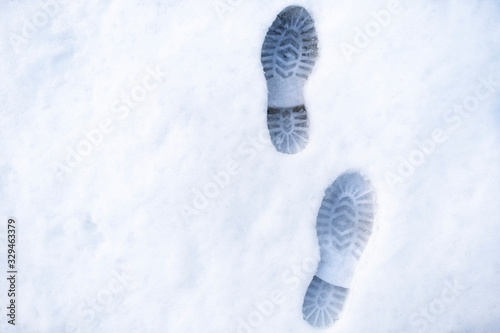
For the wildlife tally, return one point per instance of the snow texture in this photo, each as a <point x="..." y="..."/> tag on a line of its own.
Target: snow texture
<point x="136" y="160"/>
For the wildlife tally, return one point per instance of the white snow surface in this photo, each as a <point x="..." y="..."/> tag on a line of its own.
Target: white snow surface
<point x="119" y="240"/>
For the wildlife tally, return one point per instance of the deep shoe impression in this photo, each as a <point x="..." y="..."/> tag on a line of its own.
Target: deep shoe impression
<point x="344" y="225"/>
<point x="288" y="55"/>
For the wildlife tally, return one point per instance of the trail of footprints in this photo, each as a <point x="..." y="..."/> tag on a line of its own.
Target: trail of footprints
<point x="345" y="218"/>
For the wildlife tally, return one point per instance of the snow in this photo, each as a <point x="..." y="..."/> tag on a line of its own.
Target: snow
<point x="119" y="240"/>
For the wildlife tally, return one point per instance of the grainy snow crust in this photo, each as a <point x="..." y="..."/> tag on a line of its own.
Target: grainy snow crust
<point x="136" y="159"/>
